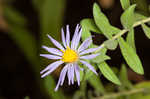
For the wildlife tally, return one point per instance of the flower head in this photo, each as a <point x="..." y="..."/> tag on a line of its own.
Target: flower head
<point x="70" y="54"/>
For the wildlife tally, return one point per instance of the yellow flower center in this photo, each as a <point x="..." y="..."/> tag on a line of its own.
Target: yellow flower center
<point x="69" y="55"/>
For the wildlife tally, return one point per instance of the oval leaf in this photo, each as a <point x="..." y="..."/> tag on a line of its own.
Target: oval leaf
<point x="103" y="23"/>
<point x="87" y="26"/>
<point x="125" y="4"/>
<point x="108" y="73"/>
<point x="130" y="39"/>
<point x="127" y="18"/>
<point x="146" y="30"/>
<point x="97" y="84"/>
<point x="130" y="56"/>
<point x="111" y="44"/>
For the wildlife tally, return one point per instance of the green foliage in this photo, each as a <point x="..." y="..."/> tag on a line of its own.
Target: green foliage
<point x="128" y="18"/>
<point x="130" y="56"/>
<point x="146" y="30"/>
<point x="130" y="39"/>
<point x="50" y="86"/>
<point x="50" y="19"/>
<point x="21" y="35"/>
<point x="108" y="73"/>
<point x="88" y="25"/>
<point x="125" y="4"/>
<point x="126" y="84"/>
<point x="103" y="23"/>
<point x="111" y="44"/>
<point x="95" y="81"/>
<point x="102" y="57"/>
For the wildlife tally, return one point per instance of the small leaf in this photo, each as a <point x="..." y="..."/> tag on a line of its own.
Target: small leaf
<point x="111" y="44"/>
<point x="146" y="30"/>
<point x="124" y="77"/>
<point x="50" y="86"/>
<point x="125" y="4"/>
<point x="81" y="75"/>
<point x="130" y="56"/>
<point x="130" y="39"/>
<point x="103" y="23"/>
<point x="139" y="16"/>
<point x="108" y="73"/>
<point x="87" y="26"/>
<point x="102" y="57"/>
<point x="128" y="18"/>
<point x="96" y="83"/>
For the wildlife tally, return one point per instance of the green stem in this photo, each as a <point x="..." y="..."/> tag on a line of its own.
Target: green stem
<point x="122" y="32"/>
<point x="115" y="95"/>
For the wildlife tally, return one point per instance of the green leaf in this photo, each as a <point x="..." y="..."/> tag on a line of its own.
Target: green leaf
<point x="50" y="86"/>
<point x="81" y="75"/>
<point x="124" y="77"/>
<point x="102" y="57"/>
<point x="96" y="83"/>
<point x="139" y="16"/>
<point x="51" y="18"/>
<point x="87" y="26"/>
<point x="108" y="73"/>
<point x="26" y="43"/>
<point x="128" y="18"/>
<point x="13" y="16"/>
<point x="130" y="56"/>
<point x="111" y="44"/>
<point x="130" y="39"/>
<point x="103" y="23"/>
<point x="125" y="4"/>
<point x="146" y="30"/>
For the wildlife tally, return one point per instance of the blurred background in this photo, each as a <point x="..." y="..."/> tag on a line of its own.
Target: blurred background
<point x="23" y="28"/>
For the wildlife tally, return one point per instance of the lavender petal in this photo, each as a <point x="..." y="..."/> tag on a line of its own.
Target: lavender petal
<point x="74" y="36"/>
<point x="85" y="44"/>
<point x="50" y="68"/>
<point x="53" y="50"/>
<point x="90" y="50"/>
<point x="69" y="74"/>
<point x="77" y="72"/>
<point x="48" y="56"/>
<point x="63" y="38"/>
<point x="89" y="56"/>
<point x="56" y="43"/>
<point x="78" y="40"/>
<point x="89" y="66"/>
<point x="68" y="36"/>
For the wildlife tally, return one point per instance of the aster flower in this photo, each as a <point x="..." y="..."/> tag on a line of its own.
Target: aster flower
<point x="69" y="54"/>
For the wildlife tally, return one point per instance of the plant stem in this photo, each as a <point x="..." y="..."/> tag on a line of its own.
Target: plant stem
<point x="115" y="95"/>
<point x="126" y="30"/>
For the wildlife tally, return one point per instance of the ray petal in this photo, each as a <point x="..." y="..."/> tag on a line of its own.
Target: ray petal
<point x="89" y="66"/>
<point x="56" y="43"/>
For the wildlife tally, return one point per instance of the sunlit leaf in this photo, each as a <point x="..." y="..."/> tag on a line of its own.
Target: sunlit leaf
<point x="139" y="16"/>
<point x="146" y="30"/>
<point x="128" y="18"/>
<point x="102" y="57"/>
<point x="124" y="77"/>
<point x="125" y="4"/>
<point x="87" y="26"/>
<point x="96" y="83"/>
<point x="103" y="23"/>
<point x="130" y="39"/>
<point x="50" y="86"/>
<point x="111" y="44"/>
<point x="130" y="56"/>
<point x="108" y="73"/>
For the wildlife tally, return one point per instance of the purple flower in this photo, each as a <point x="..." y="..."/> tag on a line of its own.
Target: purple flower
<point x="70" y="54"/>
